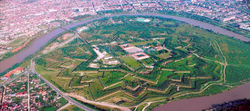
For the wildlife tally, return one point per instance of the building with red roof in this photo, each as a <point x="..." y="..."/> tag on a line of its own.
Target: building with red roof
<point x="159" y="47"/>
<point x="19" y="69"/>
<point x="130" y="48"/>
<point x="140" y="56"/>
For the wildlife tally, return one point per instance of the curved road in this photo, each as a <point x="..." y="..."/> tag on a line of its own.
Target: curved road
<point x="32" y="70"/>
<point x="57" y="90"/>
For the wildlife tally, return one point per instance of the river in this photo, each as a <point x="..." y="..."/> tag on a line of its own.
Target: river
<point x="197" y="104"/>
<point x="237" y="92"/>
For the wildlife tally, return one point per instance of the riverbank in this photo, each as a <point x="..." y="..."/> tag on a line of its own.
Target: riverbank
<point x="58" y="31"/>
<point x="40" y="43"/>
<point x="24" y="46"/>
<point x="200" y="103"/>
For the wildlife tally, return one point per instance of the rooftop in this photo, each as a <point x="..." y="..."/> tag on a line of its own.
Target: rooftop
<point x="130" y="48"/>
<point x="140" y="56"/>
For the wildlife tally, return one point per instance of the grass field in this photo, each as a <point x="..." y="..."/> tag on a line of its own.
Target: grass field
<point x="237" y="74"/>
<point x="17" y="42"/>
<point x="72" y="108"/>
<point x="111" y="77"/>
<point x="49" y="109"/>
<point x="131" y="62"/>
<point x="164" y="55"/>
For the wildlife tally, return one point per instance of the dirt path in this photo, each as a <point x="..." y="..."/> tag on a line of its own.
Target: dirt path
<point x="146" y="106"/>
<point x="225" y="60"/>
<point x="60" y="45"/>
<point x="65" y="106"/>
<point x="208" y="59"/>
<point x="224" y="73"/>
<point x="225" y="64"/>
<point x="98" y="99"/>
<point x="112" y="85"/>
<point x="97" y="103"/>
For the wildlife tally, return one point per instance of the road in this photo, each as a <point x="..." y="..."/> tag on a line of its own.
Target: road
<point x="65" y="106"/>
<point x="10" y="80"/>
<point x="2" y="98"/>
<point x="28" y="92"/>
<point x="84" y="40"/>
<point x="7" y="82"/>
<point x="32" y="70"/>
<point x="73" y="102"/>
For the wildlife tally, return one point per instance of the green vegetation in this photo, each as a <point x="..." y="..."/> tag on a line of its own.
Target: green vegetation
<point x="17" y="42"/>
<point x="110" y="78"/>
<point x="131" y="62"/>
<point x="72" y="108"/>
<point x="49" y="109"/>
<point x="237" y="74"/>
<point x="183" y="59"/>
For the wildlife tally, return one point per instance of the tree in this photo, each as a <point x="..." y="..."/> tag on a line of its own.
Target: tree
<point x="41" y="61"/>
<point x="247" y="2"/>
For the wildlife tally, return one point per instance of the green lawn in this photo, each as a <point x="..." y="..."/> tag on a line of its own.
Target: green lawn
<point x="111" y="77"/>
<point x="49" y="109"/>
<point x="236" y="74"/>
<point x="129" y="78"/>
<point x="169" y="23"/>
<point x="131" y="62"/>
<point x="164" y="55"/>
<point x="72" y="108"/>
<point x="18" y="41"/>
<point x="52" y="77"/>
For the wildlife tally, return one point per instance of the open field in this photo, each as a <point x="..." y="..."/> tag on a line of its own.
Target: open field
<point x="18" y="41"/>
<point x="131" y="62"/>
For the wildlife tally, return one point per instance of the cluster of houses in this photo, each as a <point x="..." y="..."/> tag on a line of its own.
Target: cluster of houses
<point x="16" y="95"/>
<point x="12" y="73"/>
<point x="27" y="19"/>
<point x="41" y="94"/>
